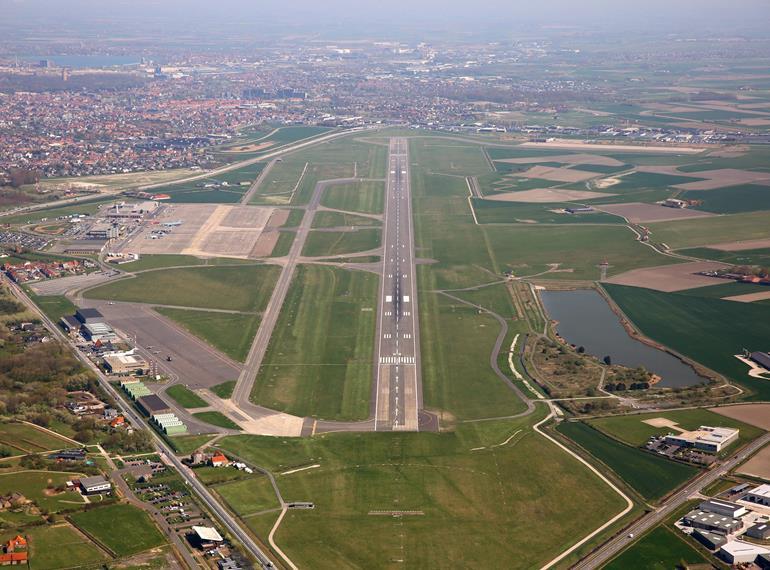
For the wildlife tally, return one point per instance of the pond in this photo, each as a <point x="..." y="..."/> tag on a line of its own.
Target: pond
<point x="585" y="319"/>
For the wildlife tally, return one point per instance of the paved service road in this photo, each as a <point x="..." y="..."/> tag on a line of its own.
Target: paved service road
<point x="611" y="548"/>
<point x="398" y="386"/>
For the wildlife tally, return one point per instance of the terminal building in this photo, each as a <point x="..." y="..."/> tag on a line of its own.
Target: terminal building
<point x="124" y="364"/>
<point x="706" y="438"/>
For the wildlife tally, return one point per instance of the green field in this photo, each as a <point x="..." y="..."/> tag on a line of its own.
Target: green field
<point x="637" y="180"/>
<point x="650" y="475"/>
<point x="230" y="333"/>
<point x="494" y="212"/>
<point x="660" y="549"/>
<point x="728" y="289"/>
<point x="491" y="495"/>
<point x="225" y="389"/>
<point x="246" y="288"/>
<point x="122" y="528"/>
<point x="319" y="362"/>
<point x="695" y="327"/>
<point x="704" y="231"/>
<point x="745" y="257"/>
<point x="249" y="496"/>
<point x="365" y="197"/>
<point x="186" y="397"/>
<point x="54" y="306"/>
<point x="325" y="219"/>
<point x="33" y="485"/>
<point x="59" y="546"/>
<point x="632" y="429"/>
<point x="186" y="444"/>
<point x="732" y="200"/>
<point x="326" y="243"/>
<point x="216" y="419"/>
<point x="24" y="439"/>
<point x="86" y="207"/>
<point x="283" y="245"/>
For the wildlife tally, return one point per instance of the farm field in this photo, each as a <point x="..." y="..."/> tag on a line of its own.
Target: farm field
<point x="216" y="419"/>
<point x="705" y="231"/>
<point x="660" y="549"/>
<point x="319" y="361"/>
<point x="459" y="492"/>
<point x="650" y="475"/>
<point x="694" y="327"/>
<point x="732" y="200"/>
<point x="23" y="439"/>
<point x="327" y="243"/>
<point x="744" y="257"/>
<point x="728" y="289"/>
<point x="246" y="288"/>
<point x="122" y="528"/>
<point x="366" y="197"/>
<point x="185" y="397"/>
<point x="59" y="546"/>
<point x="632" y="430"/>
<point x="33" y="485"/>
<point x="230" y="333"/>
<point x="758" y="465"/>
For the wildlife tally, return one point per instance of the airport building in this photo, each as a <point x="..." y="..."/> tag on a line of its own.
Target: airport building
<point x="135" y="389"/>
<point x="125" y="364"/>
<point x="169" y="424"/>
<point x="98" y="332"/>
<point x="152" y="404"/>
<point x="711" y="439"/>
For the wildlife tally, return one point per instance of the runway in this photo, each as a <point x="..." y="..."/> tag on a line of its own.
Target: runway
<point x="397" y="386"/>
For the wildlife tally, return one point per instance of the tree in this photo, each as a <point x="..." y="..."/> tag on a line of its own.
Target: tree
<point x="607" y="360"/>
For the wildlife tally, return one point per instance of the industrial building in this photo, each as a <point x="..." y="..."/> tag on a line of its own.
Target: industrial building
<point x="760" y="531"/>
<point x="169" y="424"/>
<point x="759" y="495"/>
<point x="711" y="439"/>
<point x="738" y="552"/>
<point x="712" y="522"/>
<point x="724" y="508"/>
<point x="135" y="389"/>
<point x="89" y="316"/>
<point x="125" y="364"/>
<point x="70" y="324"/>
<point x="711" y="540"/>
<point x="152" y="404"/>
<point x="98" y="332"/>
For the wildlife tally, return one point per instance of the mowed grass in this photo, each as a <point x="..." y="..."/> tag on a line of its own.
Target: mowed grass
<point x="186" y="444"/>
<point x="366" y="197"/>
<point x="58" y="546"/>
<point x="122" y="528"/>
<point x="33" y="485"/>
<point x="650" y="475"/>
<point x="325" y="243"/>
<point x="246" y="288"/>
<point x="186" y="397"/>
<point x="325" y="219"/>
<point x="705" y="231"/>
<point x="660" y="549"/>
<point x="710" y="331"/>
<point x="225" y="389"/>
<point x="319" y="362"/>
<point x="494" y="212"/>
<point x="632" y="429"/>
<point x="54" y="306"/>
<point x="230" y="333"/>
<point x="24" y="438"/>
<point x="473" y="502"/>
<point x="249" y="496"/>
<point x="216" y="419"/>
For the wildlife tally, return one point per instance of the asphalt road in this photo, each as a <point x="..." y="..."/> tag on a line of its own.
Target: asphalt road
<point x="227" y="520"/>
<point x="398" y="390"/>
<point x="612" y="548"/>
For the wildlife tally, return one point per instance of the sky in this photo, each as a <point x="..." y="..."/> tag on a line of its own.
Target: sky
<point x="392" y="15"/>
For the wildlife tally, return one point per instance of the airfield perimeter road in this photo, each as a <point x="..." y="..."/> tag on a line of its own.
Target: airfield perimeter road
<point x="398" y="390"/>
<point x="167" y="454"/>
<point x="613" y="547"/>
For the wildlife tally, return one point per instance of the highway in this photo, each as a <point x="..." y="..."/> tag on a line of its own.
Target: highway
<point x="612" y="548"/>
<point x="224" y="517"/>
<point x="398" y="390"/>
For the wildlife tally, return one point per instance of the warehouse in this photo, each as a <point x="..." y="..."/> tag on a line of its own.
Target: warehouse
<point x="759" y="495"/>
<point x="711" y="521"/>
<point x="125" y="364"/>
<point x="724" y="508"/>
<point x="710" y="540"/>
<point x="737" y="552"/>
<point x="89" y="316"/>
<point x="760" y="531"/>
<point x="70" y="324"/>
<point x="95" y="485"/>
<point x="98" y="332"/>
<point x="152" y="405"/>
<point x="711" y="439"/>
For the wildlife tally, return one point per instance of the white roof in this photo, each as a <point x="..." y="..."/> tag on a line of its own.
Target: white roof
<point x="707" y="434"/>
<point x="207" y="533"/>
<point x="740" y="548"/>
<point x="762" y="490"/>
